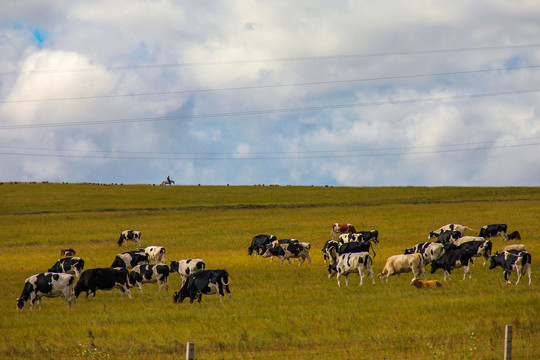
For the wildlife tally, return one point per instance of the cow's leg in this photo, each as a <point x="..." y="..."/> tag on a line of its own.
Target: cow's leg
<point x="346" y="279"/>
<point x="506" y="277"/>
<point x="361" y="275"/>
<point x="309" y="259"/>
<point x="228" y="292"/>
<point x="337" y="278"/>
<point x="302" y="261"/>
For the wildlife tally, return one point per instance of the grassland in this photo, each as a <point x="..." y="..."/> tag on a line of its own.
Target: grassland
<point x="277" y="312"/>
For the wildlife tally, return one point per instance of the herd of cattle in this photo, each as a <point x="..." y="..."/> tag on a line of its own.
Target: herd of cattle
<point x="129" y="269"/>
<point x="348" y="251"/>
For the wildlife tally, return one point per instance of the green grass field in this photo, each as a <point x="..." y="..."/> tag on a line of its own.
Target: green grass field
<point x="286" y="312"/>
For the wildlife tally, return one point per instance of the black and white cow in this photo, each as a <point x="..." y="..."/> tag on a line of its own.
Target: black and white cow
<point x="488" y="231"/>
<point x="131" y="235"/>
<point x="70" y="265"/>
<point x="356" y="247"/>
<point x="518" y="261"/>
<point x="131" y="259"/>
<point x="67" y="252"/>
<point x="205" y="282"/>
<point x="155" y="253"/>
<point x="452" y="227"/>
<point x="448" y="236"/>
<point x="372" y="235"/>
<point x="430" y="251"/>
<point x="259" y="242"/>
<point x="454" y="258"/>
<point x="286" y="251"/>
<point x="352" y="263"/>
<point x="480" y="248"/>
<point x="47" y="284"/>
<point x="187" y="267"/>
<point x="514" y="235"/>
<point x="92" y="280"/>
<point x="330" y="251"/>
<point x="142" y="274"/>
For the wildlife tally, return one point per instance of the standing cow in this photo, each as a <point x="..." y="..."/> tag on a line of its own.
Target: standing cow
<point x="352" y="263"/>
<point x="259" y="242"/>
<point x="187" y="267"/>
<point x="70" y="265"/>
<point x="205" y="282"/>
<point x="488" y="231"/>
<point x="142" y="274"/>
<point x="131" y="235"/>
<point x="341" y="228"/>
<point x="429" y="251"/>
<point x="397" y="264"/>
<point x="449" y="227"/>
<point x="155" y="253"/>
<point x="92" y="280"/>
<point x="131" y="259"/>
<point x="513" y="260"/>
<point x="49" y="285"/>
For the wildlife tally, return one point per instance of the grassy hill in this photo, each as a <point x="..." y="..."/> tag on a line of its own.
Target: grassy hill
<point x="277" y="312"/>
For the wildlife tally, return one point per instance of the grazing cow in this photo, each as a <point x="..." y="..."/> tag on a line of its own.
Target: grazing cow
<point x="204" y="282"/>
<point x="341" y="228"/>
<point x="429" y="251"/>
<point x="259" y="242"/>
<point x="372" y="235"/>
<point x="452" y="227"/>
<point x="67" y="252"/>
<point x="514" y="235"/>
<point x="330" y="251"/>
<point x="517" y="247"/>
<point x="352" y="263"/>
<point x="454" y="258"/>
<point x="187" y="267"/>
<point x="131" y="259"/>
<point x="155" y="253"/>
<point x="465" y="239"/>
<point x="426" y="283"/>
<point x="142" y="274"/>
<point x="131" y="235"/>
<point x="448" y="236"/>
<point x="92" y="280"/>
<point x="397" y="264"/>
<point x="356" y="247"/>
<point x="49" y="285"/>
<point x="70" y="265"/>
<point x="518" y="261"/>
<point x="488" y="231"/>
<point x="288" y="251"/>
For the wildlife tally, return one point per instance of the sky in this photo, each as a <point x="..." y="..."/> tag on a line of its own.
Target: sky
<point x="339" y="93"/>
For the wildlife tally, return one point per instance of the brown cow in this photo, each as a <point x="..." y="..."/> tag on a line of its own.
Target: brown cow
<point x="426" y="283"/>
<point x="341" y="228"/>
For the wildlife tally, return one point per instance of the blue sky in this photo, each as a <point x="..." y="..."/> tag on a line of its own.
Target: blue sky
<point x="249" y="92"/>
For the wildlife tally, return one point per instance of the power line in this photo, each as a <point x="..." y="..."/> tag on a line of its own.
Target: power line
<point x="239" y="158"/>
<point x="398" y="77"/>
<point x="269" y="60"/>
<point x="268" y="111"/>
<point x="370" y="150"/>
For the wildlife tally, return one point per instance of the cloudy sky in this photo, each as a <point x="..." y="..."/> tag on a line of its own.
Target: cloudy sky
<point x="343" y="93"/>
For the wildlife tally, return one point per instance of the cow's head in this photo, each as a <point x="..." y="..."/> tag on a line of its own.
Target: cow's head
<point x="408" y="251"/>
<point x="250" y="250"/>
<point x="179" y="296"/>
<point x="20" y="303"/>
<point x="175" y="266"/>
<point x="493" y="262"/>
<point x="332" y="270"/>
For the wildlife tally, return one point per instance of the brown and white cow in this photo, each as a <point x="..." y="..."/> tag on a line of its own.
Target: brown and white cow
<point x="341" y="228"/>
<point x="397" y="264"/>
<point x="425" y="283"/>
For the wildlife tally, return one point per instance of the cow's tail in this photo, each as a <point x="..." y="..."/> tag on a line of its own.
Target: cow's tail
<point x="372" y="248"/>
<point x="228" y="279"/>
<point x="526" y="259"/>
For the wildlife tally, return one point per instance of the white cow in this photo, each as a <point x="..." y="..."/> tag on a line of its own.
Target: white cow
<point x="397" y="264"/>
<point x="465" y="239"/>
<point x="47" y="284"/>
<point x="155" y="253"/>
<point x="352" y="263"/>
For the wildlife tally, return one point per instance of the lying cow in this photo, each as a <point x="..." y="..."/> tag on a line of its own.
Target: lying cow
<point x="287" y="251"/>
<point x="67" y="252"/>
<point x="352" y="263"/>
<point x="449" y="227"/>
<point x="330" y="251"/>
<point x="142" y="274"/>
<point x="155" y="253"/>
<point x="70" y="265"/>
<point x="259" y="242"/>
<point x="341" y="228"/>
<point x="397" y="264"/>
<point x="46" y="285"/>
<point x="514" y="235"/>
<point x="92" y="280"/>
<point x="426" y="283"/>
<point x="429" y="251"/>
<point x="131" y="259"/>
<point x="187" y="267"/>
<point x="205" y="282"/>
<point x="488" y="231"/>
<point x="518" y="261"/>
<point x="131" y="235"/>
